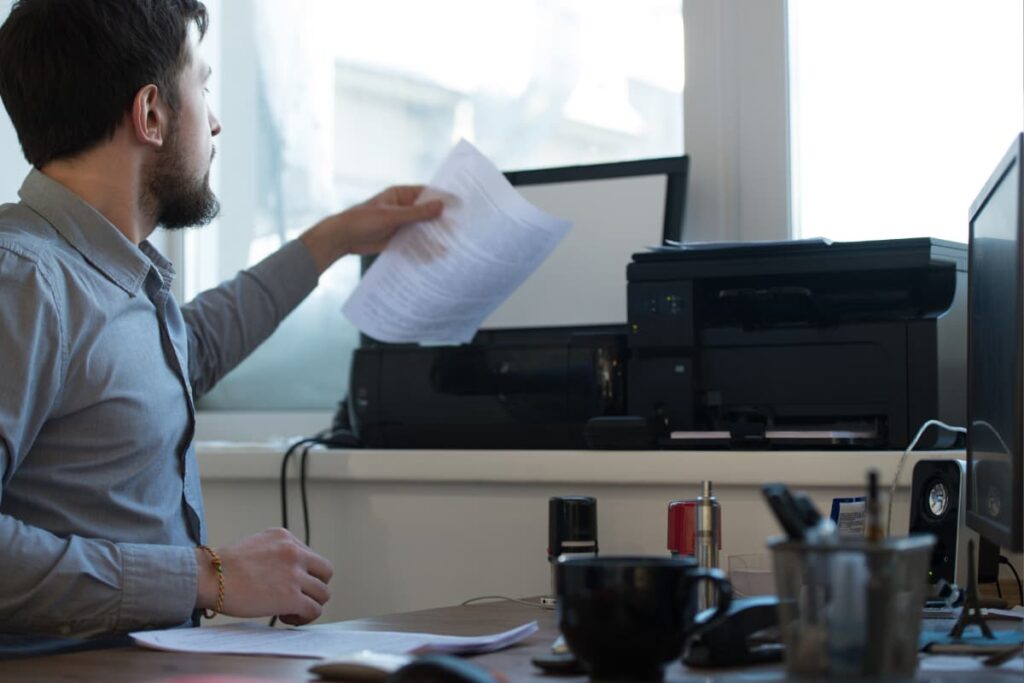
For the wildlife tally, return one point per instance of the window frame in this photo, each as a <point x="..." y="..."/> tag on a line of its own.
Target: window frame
<point x="735" y="131"/>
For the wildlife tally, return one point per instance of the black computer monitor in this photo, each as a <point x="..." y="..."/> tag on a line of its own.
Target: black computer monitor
<point x="995" y="346"/>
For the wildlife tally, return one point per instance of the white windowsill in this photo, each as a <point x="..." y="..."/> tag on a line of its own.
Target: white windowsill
<point x="261" y="461"/>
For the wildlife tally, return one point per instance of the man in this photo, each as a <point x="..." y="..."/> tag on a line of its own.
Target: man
<point x="101" y="516"/>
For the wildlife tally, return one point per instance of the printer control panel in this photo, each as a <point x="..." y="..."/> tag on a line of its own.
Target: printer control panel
<point x="661" y="314"/>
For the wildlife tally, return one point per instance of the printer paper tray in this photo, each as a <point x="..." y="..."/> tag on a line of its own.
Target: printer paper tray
<point x="776" y="437"/>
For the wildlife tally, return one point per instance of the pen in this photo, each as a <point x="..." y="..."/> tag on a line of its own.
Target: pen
<point x="877" y="626"/>
<point x="873" y="530"/>
<point x="786" y="510"/>
<point x="809" y="514"/>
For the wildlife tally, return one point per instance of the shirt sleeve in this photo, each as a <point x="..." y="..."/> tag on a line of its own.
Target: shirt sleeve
<point x="227" y="323"/>
<point x="53" y="584"/>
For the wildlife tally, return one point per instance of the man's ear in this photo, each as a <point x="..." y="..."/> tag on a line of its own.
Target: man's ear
<point x="150" y="116"/>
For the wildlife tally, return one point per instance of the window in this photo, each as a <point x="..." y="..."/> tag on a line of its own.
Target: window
<point x="324" y="103"/>
<point x="900" y="110"/>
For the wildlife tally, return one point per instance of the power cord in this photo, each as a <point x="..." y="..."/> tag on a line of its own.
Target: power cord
<point x="1003" y="559"/>
<point x="903" y="460"/>
<point x="334" y="437"/>
<point x="338" y="438"/>
<point x="309" y="442"/>
<point x="303" y="496"/>
<point x="339" y="435"/>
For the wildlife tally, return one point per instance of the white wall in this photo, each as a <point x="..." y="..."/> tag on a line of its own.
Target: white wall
<point x="410" y="530"/>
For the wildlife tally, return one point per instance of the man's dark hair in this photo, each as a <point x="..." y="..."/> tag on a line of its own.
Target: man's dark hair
<point x="70" y="69"/>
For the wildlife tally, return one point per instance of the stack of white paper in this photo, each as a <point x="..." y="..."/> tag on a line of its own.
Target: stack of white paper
<point x="438" y="280"/>
<point x="321" y="641"/>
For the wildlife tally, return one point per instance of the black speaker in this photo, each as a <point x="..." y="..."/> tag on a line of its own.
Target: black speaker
<point x="938" y="497"/>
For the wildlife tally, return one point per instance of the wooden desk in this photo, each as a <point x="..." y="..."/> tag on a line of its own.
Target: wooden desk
<point x="137" y="665"/>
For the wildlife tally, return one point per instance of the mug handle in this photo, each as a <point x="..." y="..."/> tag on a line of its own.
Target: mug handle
<point x="724" y="601"/>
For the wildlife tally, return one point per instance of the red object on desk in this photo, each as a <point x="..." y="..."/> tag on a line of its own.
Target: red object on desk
<point x="682" y="524"/>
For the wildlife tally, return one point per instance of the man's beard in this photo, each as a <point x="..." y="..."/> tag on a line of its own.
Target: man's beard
<point x="179" y="199"/>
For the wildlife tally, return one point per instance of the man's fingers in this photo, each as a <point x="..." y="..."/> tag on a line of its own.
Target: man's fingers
<point x="319" y="567"/>
<point x="403" y="195"/>
<point x="316" y="589"/>
<point x="306" y="610"/>
<point x="417" y="212"/>
<point x="294" y="620"/>
<point x="407" y="194"/>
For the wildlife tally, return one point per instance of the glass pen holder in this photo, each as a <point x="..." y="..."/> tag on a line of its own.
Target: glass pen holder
<point x="851" y="609"/>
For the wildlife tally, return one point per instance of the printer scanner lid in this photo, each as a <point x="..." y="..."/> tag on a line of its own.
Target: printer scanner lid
<point x="728" y="259"/>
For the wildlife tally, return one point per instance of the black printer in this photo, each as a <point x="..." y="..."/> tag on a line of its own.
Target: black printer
<point x="797" y="344"/>
<point x="509" y="388"/>
<point x="802" y="344"/>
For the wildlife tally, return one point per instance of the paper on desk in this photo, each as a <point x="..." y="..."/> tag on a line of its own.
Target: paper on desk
<point x="251" y="638"/>
<point x="438" y="280"/>
<point x="940" y="663"/>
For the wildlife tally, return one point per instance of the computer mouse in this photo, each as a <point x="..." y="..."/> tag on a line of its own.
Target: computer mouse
<point x="360" y="666"/>
<point x="558" y="664"/>
<point x="436" y="668"/>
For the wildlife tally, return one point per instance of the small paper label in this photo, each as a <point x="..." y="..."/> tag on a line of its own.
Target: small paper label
<point x="848" y="515"/>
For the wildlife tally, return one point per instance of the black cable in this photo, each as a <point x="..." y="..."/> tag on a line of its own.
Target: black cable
<point x="999" y="591"/>
<point x="1003" y="559"/>
<point x="338" y="437"/>
<point x="284" y="487"/>
<point x="303" y="460"/>
<point x="284" y="475"/>
<point x="342" y="438"/>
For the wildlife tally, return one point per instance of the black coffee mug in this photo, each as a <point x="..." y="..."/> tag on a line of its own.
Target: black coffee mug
<point x="625" y="618"/>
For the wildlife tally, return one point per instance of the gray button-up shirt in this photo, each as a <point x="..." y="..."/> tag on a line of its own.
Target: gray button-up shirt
<point x="100" y="505"/>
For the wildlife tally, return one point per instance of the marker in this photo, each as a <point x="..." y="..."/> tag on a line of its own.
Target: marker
<point x="873" y="530"/>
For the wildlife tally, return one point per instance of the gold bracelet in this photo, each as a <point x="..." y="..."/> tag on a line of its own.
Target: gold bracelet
<point x="219" y="568"/>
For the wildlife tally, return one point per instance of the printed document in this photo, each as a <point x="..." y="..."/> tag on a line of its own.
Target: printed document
<point x="326" y="640"/>
<point x="438" y="280"/>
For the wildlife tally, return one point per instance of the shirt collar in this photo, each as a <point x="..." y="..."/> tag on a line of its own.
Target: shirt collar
<point x="91" y="234"/>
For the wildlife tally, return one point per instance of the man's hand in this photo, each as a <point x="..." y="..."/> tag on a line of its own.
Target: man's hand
<point x="366" y="228"/>
<point x="266" y="574"/>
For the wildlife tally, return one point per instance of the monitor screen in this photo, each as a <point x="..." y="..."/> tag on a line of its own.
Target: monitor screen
<point x="616" y="210"/>
<point x="995" y="404"/>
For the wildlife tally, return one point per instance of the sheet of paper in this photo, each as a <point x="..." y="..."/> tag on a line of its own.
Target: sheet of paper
<point x="438" y="280"/>
<point x="938" y="663"/>
<point x="250" y="638"/>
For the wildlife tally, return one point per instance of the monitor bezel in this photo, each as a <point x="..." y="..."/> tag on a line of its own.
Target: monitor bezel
<point x="1011" y="538"/>
<point x="675" y="168"/>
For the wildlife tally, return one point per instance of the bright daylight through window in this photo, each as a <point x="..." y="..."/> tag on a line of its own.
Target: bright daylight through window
<point x="900" y="109"/>
<point x="325" y="103"/>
